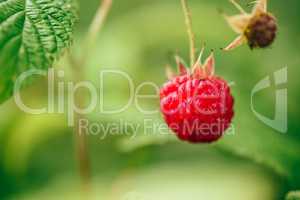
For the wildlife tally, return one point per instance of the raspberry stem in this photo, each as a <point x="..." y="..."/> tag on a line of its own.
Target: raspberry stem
<point x="238" y="6"/>
<point x="188" y="22"/>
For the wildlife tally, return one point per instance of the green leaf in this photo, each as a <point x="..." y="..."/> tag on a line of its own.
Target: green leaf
<point x="33" y="34"/>
<point x="294" y="195"/>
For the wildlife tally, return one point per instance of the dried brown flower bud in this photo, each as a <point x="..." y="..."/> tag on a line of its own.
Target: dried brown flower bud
<point x="261" y="31"/>
<point x="257" y="28"/>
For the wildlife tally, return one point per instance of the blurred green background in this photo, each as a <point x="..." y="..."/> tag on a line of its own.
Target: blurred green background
<point x="140" y="37"/>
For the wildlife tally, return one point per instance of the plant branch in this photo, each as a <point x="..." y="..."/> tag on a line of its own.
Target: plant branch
<point x="96" y="25"/>
<point x="188" y="22"/>
<point x="82" y="155"/>
<point x="78" y="66"/>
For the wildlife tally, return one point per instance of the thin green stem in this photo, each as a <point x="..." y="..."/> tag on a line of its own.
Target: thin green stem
<point x="188" y="22"/>
<point x="96" y="26"/>
<point x="78" y="66"/>
<point x="238" y="6"/>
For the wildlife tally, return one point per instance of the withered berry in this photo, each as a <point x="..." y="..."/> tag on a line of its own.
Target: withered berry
<point x="261" y="31"/>
<point x="258" y="28"/>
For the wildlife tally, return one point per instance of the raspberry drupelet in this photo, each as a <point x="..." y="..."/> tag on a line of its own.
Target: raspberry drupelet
<point x="196" y="104"/>
<point x="258" y="28"/>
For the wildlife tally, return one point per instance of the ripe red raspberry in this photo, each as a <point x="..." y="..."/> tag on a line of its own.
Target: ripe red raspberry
<point x="197" y="106"/>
